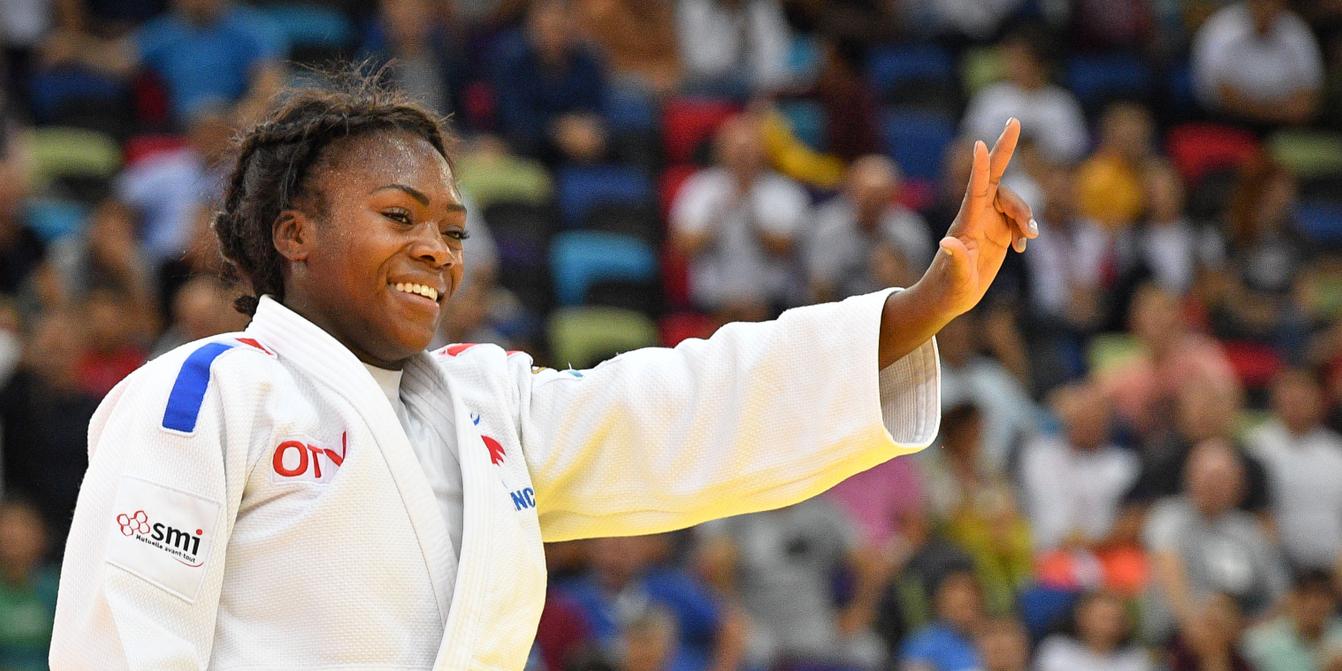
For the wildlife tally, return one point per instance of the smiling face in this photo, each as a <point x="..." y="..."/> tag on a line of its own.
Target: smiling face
<point x="378" y="249"/>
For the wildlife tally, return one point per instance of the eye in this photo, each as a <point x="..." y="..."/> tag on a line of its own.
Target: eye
<point x="398" y="215"/>
<point x="456" y="234"/>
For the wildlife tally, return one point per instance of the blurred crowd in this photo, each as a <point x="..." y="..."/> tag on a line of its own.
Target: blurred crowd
<point x="1139" y="464"/>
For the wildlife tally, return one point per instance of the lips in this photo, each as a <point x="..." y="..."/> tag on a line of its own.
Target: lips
<point x="417" y="289"/>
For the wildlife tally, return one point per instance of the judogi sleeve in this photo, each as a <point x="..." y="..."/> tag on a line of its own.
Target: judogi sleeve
<point x="759" y="416"/>
<point x="145" y="558"/>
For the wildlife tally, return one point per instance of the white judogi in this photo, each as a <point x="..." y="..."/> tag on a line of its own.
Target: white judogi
<point x="253" y="502"/>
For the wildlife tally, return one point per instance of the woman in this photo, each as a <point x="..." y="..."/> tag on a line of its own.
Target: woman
<point x="319" y="491"/>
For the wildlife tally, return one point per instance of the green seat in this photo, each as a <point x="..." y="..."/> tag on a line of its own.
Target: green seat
<point x="490" y="178"/>
<point x="980" y="67"/>
<point x="69" y="152"/>
<point x="1109" y="350"/>
<point x="583" y="336"/>
<point x="1307" y="153"/>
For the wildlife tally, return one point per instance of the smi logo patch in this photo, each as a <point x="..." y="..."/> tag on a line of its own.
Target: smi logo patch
<point x="181" y="544"/>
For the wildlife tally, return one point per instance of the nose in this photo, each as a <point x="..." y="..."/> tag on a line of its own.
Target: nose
<point x="431" y="248"/>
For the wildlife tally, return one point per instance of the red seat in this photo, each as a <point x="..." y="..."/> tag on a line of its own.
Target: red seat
<point x="678" y="326"/>
<point x="1255" y="364"/>
<point x="687" y="122"/>
<point x="668" y="185"/>
<point x="142" y="147"/>
<point x="675" y="277"/>
<point x="1196" y="148"/>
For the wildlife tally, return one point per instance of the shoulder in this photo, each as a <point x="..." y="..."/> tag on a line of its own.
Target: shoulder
<point x="1227" y="23"/>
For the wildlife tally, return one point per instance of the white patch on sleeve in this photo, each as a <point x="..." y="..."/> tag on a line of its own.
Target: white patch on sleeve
<point x="161" y="534"/>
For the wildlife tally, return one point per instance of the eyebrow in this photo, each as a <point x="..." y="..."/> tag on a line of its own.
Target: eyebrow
<point x="417" y="195"/>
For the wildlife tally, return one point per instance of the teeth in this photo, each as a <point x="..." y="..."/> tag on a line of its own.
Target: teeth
<point x="423" y="290"/>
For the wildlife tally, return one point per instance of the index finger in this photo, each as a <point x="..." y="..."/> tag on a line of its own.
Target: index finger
<point x="1002" y="151"/>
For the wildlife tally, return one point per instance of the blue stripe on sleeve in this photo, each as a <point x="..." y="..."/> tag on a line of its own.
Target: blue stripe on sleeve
<point x="188" y="392"/>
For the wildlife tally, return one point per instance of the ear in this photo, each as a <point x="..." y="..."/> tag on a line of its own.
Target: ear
<point x="292" y="234"/>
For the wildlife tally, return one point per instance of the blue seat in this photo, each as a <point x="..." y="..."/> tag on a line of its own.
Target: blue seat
<point x="582" y="188"/>
<point x="1320" y="221"/>
<point x="917" y="140"/>
<point x="807" y="120"/>
<point x="579" y="259"/>
<point x="1096" y="78"/>
<point x="54" y="89"/>
<point x="54" y="219"/>
<point x="311" y="24"/>
<point x="897" y="67"/>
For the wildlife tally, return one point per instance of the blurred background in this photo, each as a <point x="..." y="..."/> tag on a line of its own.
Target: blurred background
<point x="1138" y="466"/>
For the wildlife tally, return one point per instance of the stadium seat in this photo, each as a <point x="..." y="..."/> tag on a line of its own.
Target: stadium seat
<point x="917" y="140"/>
<point x="688" y="123"/>
<point x="1307" y="153"/>
<point x="581" y="188"/>
<point x="53" y="92"/>
<point x="142" y="147"/>
<point x="979" y="67"/>
<point x="580" y="258"/>
<point x="1254" y="363"/>
<point x="583" y="336"/>
<point x="639" y="220"/>
<point x="522" y="233"/>
<point x="683" y="325"/>
<point x="1098" y="78"/>
<point x="1110" y="350"/>
<point x="1196" y="148"/>
<point x="668" y="185"/>
<point x="806" y="119"/>
<point x="913" y="74"/>
<point x="53" y="219"/>
<point x="306" y="24"/>
<point x="628" y="109"/>
<point x="1320" y="221"/>
<point x="643" y="296"/>
<point x="675" y="277"/>
<point x="62" y="152"/>
<point x="497" y="178"/>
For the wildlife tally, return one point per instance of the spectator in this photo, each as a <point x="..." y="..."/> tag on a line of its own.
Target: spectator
<point x="1101" y="640"/>
<point x="781" y="564"/>
<point x="1303" y="459"/>
<point x="970" y="377"/>
<point x="106" y="255"/>
<point x="1258" y="61"/>
<point x="1201" y="545"/>
<point x="11" y="342"/>
<point x="649" y="642"/>
<point x="638" y="38"/>
<point x="1110" y="184"/>
<point x="856" y="229"/>
<point x="850" y="106"/>
<point x="429" y="54"/>
<point x="44" y="418"/>
<point x="975" y="20"/>
<point x="1073" y="483"/>
<point x="202" y="307"/>
<point x="202" y="257"/>
<point x="550" y="89"/>
<point x="27" y="588"/>
<point x="1167" y="247"/>
<point x="878" y="498"/>
<point x="738" y="223"/>
<point x="734" y="47"/>
<point x="1307" y="636"/>
<point x="1213" y="641"/>
<point x="626" y="581"/>
<point x="947" y="644"/>
<point x="21" y="250"/>
<point x="1057" y="123"/>
<point x="1003" y="645"/>
<point x="115" y="330"/>
<point x="976" y="507"/>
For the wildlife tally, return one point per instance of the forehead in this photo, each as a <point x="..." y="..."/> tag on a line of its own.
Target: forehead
<point x="357" y="165"/>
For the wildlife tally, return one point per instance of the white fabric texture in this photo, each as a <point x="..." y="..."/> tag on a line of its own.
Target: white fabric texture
<point x="351" y="569"/>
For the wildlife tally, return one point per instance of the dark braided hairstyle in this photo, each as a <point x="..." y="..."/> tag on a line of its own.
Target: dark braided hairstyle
<point x="272" y="173"/>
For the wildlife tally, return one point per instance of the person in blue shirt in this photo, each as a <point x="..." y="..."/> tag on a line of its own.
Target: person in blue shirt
<point x="948" y="643"/>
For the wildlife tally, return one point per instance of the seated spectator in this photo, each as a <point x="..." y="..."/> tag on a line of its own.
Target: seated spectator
<point x="947" y="644"/>
<point x="44" y="421"/>
<point x="1201" y="545"/>
<point x="781" y="565"/>
<point x="854" y="228"/>
<point x="201" y="308"/>
<point x="738" y="224"/>
<point x="1074" y="482"/>
<point x="1213" y="640"/>
<point x="638" y="39"/>
<point x="1258" y="61"/>
<point x="733" y="47"/>
<point x="626" y="581"/>
<point x="426" y="52"/>
<point x="1303" y="459"/>
<point x="1003" y="645"/>
<point x="957" y="19"/>
<point x="1166" y="246"/>
<point x="106" y="255"/>
<point x="167" y="188"/>
<point x="968" y="376"/>
<point x="1100" y="640"/>
<point x="1142" y="387"/>
<point x="550" y="89"/>
<point x="116" y="328"/>
<point x="21" y="250"/>
<point x="27" y="588"/>
<point x="1307" y="636"/>
<point x="877" y="499"/>
<point x="976" y="507"/>
<point x="852" y="123"/>
<point x="1057" y="122"/>
<point x="202" y="257"/>
<point x="1109" y="183"/>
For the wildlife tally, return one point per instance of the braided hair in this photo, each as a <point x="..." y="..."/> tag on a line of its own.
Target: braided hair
<point x="274" y="166"/>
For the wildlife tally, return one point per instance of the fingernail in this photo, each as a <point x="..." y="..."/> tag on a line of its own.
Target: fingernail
<point x="1034" y="226"/>
<point x="1008" y="123"/>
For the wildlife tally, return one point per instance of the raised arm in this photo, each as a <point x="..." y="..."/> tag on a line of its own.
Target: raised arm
<point x="992" y="219"/>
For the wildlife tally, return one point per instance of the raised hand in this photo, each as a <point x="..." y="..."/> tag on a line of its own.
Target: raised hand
<point x="992" y="218"/>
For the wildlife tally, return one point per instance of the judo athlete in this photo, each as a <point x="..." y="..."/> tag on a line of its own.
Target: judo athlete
<point x="320" y="492"/>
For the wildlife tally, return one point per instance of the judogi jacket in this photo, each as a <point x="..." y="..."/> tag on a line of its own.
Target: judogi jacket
<point x="252" y="501"/>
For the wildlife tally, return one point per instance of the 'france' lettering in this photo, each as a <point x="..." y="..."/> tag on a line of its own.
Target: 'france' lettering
<point x="523" y="498"/>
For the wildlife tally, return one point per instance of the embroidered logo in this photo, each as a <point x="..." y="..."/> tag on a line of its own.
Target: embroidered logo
<point x="180" y="544"/>
<point x="496" y="452"/>
<point x="298" y="460"/>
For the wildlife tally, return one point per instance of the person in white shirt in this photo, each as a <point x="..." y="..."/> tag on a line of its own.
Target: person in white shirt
<point x="1303" y="459"/>
<point x="733" y="46"/>
<point x="1101" y="640"/>
<point x="1258" y="61"/>
<point x="319" y="491"/>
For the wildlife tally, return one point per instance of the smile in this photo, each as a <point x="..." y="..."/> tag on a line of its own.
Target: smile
<point x="420" y="289"/>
